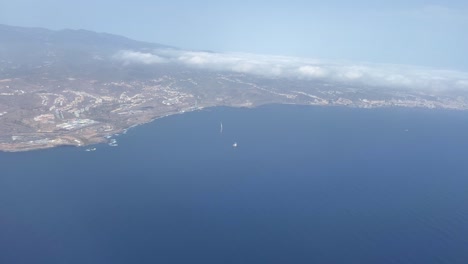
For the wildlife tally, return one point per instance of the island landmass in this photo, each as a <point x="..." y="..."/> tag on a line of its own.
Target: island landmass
<point x="69" y="88"/>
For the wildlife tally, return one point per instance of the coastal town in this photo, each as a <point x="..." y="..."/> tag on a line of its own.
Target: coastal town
<point x="80" y="112"/>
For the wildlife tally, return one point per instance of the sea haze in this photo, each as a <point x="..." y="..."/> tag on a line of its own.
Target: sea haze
<point x="304" y="185"/>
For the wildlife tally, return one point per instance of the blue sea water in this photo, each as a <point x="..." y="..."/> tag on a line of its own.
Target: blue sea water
<point x="304" y="185"/>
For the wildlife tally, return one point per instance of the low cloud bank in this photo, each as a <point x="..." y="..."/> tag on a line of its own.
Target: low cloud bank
<point x="128" y="56"/>
<point x="377" y="75"/>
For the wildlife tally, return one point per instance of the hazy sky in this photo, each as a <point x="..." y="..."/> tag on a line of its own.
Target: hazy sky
<point x="426" y="33"/>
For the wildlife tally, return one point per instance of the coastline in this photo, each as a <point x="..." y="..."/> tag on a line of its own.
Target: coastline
<point x="102" y="138"/>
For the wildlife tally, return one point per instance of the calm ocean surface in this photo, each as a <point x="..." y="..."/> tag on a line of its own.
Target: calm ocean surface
<point x="304" y="185"/>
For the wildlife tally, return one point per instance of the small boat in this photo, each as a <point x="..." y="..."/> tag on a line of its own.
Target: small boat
<point x="90" y="149"/>
<point x="234" y="145"/>
<point x="113" y="142"/>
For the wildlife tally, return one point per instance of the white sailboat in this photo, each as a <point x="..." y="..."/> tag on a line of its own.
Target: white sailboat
<point x="221" y="128"/>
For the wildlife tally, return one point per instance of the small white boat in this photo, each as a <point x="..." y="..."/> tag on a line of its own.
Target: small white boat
<point x="113" y="142"/>
<point x="234" y="145"/>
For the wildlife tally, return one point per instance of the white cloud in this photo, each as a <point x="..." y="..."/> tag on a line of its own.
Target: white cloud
<point x="312" y="71"/>
<point x="463" y="84"/>
<point x="377" y="75"/>
<point x="354" y="73"/>
<point x="129" y="56"/>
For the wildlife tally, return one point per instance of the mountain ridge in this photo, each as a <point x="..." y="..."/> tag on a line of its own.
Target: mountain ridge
<point x="50" y="35"/>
